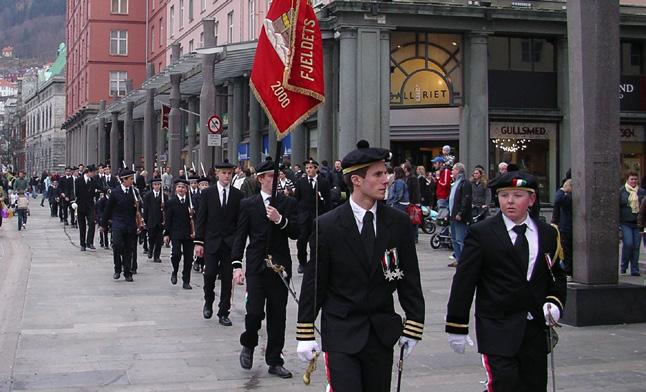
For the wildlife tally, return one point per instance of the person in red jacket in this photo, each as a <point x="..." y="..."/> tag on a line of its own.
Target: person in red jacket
<point x="443" y="187"/>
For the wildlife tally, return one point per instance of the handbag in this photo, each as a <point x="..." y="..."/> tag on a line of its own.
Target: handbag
<point x="415" y="214"/>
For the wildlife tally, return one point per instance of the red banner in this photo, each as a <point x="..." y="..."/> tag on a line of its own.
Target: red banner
<point x="287" y="73"/>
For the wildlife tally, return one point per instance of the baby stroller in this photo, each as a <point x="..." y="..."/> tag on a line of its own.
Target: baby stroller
<point x="443" y="237"/>
<point x="430" y="216"/>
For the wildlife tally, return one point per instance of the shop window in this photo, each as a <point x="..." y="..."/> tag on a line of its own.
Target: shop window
<point x="425" y="69"/>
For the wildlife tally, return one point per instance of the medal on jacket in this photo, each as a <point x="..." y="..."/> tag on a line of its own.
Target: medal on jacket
<point x="390" y="265"/>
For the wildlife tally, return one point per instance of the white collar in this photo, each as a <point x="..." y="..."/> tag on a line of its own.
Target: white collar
<point x="510" y="224"/>
<point x="359" y="211"/>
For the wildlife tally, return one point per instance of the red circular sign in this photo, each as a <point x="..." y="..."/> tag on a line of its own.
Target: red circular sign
<point x="214" y="124"/>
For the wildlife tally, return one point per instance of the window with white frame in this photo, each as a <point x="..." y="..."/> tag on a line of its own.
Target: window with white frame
<point x="171" y="21"/>
<point x="119" y="42"/>
<point x="119" y="7"/>
<point x="201" y="39"/>
<point x="152" y="38"/>
<point x="252" y="20"/>
<point x="230" y="27"/>
<point x="118" y="83"/>
<point x="181" y="14"/>
<point x="202" y="5"/>
<point x="161" y="32"/>
<point x="217" y="24"/>
<point x="190" y="10"/>
<point x="190" y="46"/>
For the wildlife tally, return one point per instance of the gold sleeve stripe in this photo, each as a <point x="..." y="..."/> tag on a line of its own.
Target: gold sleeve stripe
<point x="305" y="325"/>
<point x="303" y="336"/>
<point x="304" y="330"/>
<point x="555" y="299"/>
<point x="415" y="329"/>
<point x="457" y="325"/>
<point x="415" y="335"/>
<point x="415" y="323"/>
<point x="196" y="242"/>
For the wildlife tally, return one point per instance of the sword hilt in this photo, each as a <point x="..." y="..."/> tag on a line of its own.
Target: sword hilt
<point x="311" y="367"/>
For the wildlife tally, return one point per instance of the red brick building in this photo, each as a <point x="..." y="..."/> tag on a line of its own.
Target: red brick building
<point x="106" y="47"/>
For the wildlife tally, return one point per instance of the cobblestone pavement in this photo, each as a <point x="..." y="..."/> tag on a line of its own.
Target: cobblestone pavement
<point x="66" y="325"/>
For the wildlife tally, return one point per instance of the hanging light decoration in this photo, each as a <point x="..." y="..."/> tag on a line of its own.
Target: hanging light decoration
<point x="511" y="145"/>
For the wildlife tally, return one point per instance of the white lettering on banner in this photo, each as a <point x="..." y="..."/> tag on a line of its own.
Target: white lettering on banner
<point x="626" y="88"/>
<point x="508" y="130"/>
<point x="632" y="133"/>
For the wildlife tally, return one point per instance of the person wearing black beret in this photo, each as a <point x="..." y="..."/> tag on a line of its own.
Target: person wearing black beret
<point x="312" y="192"/>
<point x="154" y="203"/>
<point x="215" y="229"/>
<point x="511" y="262"/>
<point x="362" y="253"/>
<point x="178" y="231"/>
<point x="266" y="293"/>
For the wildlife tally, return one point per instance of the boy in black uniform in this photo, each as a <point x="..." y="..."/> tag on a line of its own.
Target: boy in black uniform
<point x="198" y="264"/>
<point x="154" y="202"/>
<point x="215" y="231"/>
<point x="178" y="232"/>
<point x="362" y="254"/>
<point x="511" y="260"/>
<point x="258" y="215"/>
<point x="99" y="210"/>
<point x="54" y="195"/>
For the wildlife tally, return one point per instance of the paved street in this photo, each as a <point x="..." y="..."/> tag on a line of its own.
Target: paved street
<point x="66" y="325"/>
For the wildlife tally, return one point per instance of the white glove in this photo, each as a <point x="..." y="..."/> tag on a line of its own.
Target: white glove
<point x="408" y="344"/>
<point x="74" y="205"/>
<point x="550" y="309"/>
<point x="306" y="349"/>
<point x="458" y="342"/>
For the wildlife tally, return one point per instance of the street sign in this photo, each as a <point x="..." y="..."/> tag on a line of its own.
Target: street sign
<point x="214" y="140"/>
<point x="214" y="124"/>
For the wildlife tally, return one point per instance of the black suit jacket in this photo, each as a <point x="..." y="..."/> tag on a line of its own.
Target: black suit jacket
<point x="216" y="225"/>
<point x="110" y="184"/>
<point x="121" y="209"/>
<point x="152" y="209"/>
<point x="353" y="293"/>
<point x="253" y="223"/>
<point x="66" y="186"/>
<point x="178" y="221"/>
<point x="306" y="197"/>
<point x="490" y="264"/>
<point x="85" y="194"/>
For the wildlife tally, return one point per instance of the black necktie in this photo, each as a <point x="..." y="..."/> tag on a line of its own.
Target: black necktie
<point x="128" y="191"/>
<point x="312" y="182"/>
<point x="522" y="246"/>
<point x="181" y="200"/>
<point x="224" y="196"/>
<point x="368" y="234"/>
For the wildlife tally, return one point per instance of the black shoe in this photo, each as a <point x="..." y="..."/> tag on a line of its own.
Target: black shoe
<point x="207" y="311"/>
<point x="116" y="275"/>
<point x="66" y="224"/>
<point x="157" y="261"/>
<point x="187" y="286"/>
<point x="173" y="278"/>
<point x="635" y="274"/>
<point x="129" y="278"/>
<point x="83" y="249"/>
<point x="246" y="357"/>
<point x="91" y="247"/>
<point x="224" y="320"/>
<point x="150" y="255"/>
<point x="300" y="271"/>
<point x="280" y="371"/>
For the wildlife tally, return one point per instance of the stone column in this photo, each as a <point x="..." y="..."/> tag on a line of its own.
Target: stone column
<point x="175" y="125"/>
<point x="115" y="162"/>
<point x="255" y="137"/>
<point x="139" y="140"/>
<point x="149" y="116"/>
<point x="325" y="115"/>
<point x="208" y="95"/>
<point x="191" y="131"/>
<point x="91" y="156"/>
<point x="474" y="124"/>
<point x="299" y="144"/>
<point x="347" y="130"/>
<point x="129" y="135"/>
<point x="235" y="126"/>
<point x="594" y="114"/>
<point x="101" y="137"/>
<point x="563" y="103"/>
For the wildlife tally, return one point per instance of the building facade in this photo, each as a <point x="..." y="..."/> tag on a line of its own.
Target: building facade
<point x="157" y="38"/>
<point x="490" y="79"/>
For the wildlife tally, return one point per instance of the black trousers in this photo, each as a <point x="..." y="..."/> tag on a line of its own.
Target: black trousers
<point x="185" y="248"/>
<point x="527" y="371"/>
<point x="305" y="227"/>
<point x="123" y="244"/>
<point x="566" y="243"/>
<point x="218" y="264"/>
<point x="155" y="237"/>
<point x="53" y="209"/>
<point x="86" y="227"/>
<point x="369" y="370"/>
<point x="266" y="287"/>
<point x="63" y="205"/>
<point x="105" y="237"/>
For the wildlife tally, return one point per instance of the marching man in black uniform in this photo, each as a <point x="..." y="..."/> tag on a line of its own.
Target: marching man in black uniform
<point x="65" y="186"/>
<point x="257" y="218"/>
<point x="86" y="191"/>
<point x="362" y="254"/>
<point x="313" y="195"/>
<point x="511" y="260"/>
<point x="121" y="212"/>
<point x="215" y="231"/>
<point x="153" y="216"/>
<point x="179" y="231"/>
<point x="203" y="184"/>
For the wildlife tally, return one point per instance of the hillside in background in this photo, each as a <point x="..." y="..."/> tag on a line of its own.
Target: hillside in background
<point x="33" y="27"/>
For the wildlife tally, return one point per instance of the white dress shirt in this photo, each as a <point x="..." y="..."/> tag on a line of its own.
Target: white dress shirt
<point x="359" y="212"/>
